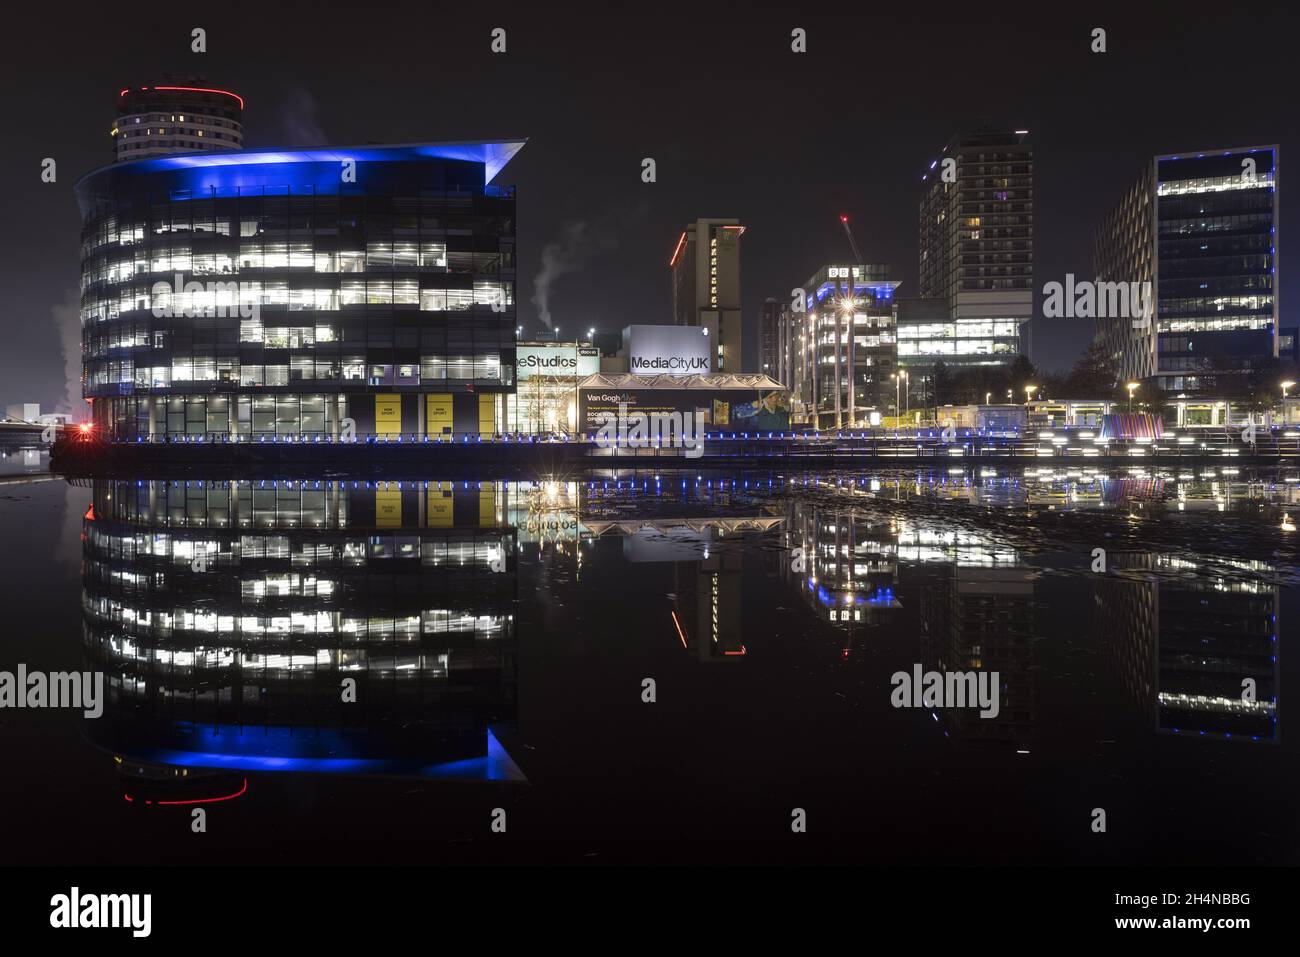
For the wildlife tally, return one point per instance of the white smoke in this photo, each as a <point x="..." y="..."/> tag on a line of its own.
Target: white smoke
<point x="564" y="255"/>
<point x="298" y="126"/>
<point x="579" y="242"/>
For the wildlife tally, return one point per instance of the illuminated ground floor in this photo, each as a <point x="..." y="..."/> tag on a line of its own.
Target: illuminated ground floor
<point x="301" y="414"/>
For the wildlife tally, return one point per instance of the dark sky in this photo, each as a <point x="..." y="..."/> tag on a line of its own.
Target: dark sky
<point x="739" y="126"/>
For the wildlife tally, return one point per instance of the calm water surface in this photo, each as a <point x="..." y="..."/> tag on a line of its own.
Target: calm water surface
<point x="500" y="635"/>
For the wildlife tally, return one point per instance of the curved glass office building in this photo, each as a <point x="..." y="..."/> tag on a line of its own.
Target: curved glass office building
<point x="244" y="295"/>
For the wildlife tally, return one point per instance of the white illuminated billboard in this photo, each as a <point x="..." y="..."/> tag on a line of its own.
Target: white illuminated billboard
<point x="561" y="359"/>
<point x="671" y="350"/>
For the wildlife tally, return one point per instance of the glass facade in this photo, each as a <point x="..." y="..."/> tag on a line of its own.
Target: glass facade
<point x="247" y="294"/>
<point x="847" y="340"/>
<point x="1216" y="265"/>
<point x="976" y="232"/>
<point x="964" y="341"/>
<point x="1202" y="230"/>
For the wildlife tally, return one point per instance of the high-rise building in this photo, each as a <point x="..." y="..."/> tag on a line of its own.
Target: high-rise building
<point x="260" y="294"/>
<point x="773" y="340"/>
<point x="977" y="251"/>
<point x="188" y="117"/>
<point x="1201" y="230"/>
<point x="844" y="349"/>
<point x="706" y="285"/>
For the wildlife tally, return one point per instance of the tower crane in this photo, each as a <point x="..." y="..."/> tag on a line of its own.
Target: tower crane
<point x="848" y="231"/>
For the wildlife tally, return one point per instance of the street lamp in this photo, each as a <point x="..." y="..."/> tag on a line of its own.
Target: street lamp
<point x="591" y="333"/>
<point x="1029" y="392"/>
<point x="987" y="397"/>
<point x="1132" y="387"/>
<point x="1288" y="384"/>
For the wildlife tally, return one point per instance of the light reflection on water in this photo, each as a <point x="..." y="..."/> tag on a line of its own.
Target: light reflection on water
<point x="500" y="632"/>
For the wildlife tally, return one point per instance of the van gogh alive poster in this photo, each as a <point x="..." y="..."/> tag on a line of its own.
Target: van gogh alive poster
<point x="742" y="410"/>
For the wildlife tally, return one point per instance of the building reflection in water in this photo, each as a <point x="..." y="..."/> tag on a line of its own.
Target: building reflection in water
<point x="697" y="526"/>
<point x="974" y="597"/>
<point x="845" y="566"/>
<point x="1184" y="636"/>
<point x="708" y="559"/>
<point x="227" y="617"/>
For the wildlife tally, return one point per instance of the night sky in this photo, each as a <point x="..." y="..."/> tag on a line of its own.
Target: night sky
<point x="739" y="126"/>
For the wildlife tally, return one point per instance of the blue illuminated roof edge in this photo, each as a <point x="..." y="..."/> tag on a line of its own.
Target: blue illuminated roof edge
<point x="494" y="155"/>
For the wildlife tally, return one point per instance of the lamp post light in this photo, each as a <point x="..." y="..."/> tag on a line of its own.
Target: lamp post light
<point x="1132" y="387"/>
<point x="848" y="309"/>
<point x="1029" y="392"/>
<point x="1288" y="384"/>
<point x="987" y="397"/>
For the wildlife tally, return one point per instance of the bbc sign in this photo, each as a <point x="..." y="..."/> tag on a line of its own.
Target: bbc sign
<point x="671" y="350"/>
<point x="564" y="360"/>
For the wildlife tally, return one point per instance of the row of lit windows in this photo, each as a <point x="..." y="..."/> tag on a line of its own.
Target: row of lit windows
<point x="1216" y="184"/>
<point x="1216" y="323"/>
<point x="376" y="333"/>
<point x="251" y="296"/>
<point x="137" y="118"/>
<point x="160" y="623"/>
<point x="485" y="367"/>
<point x="189" y="503"/>
<point x="959" y="347"/>
<point x="1229" y="304"/>
<point x="378" y="255"/>
<point x="249" y="551"/>
<point x="966" y="328"/>
<point x="327" y="214"/>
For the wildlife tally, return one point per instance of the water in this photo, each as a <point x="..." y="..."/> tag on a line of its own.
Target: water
<point x="500" y="635"/>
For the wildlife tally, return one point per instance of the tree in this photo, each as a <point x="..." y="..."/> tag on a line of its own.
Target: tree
<point x="1021" y="373"/>
<point x="943" y="384"/>
<point x="1262" y="386"/>
<point x="1093" y="374"/>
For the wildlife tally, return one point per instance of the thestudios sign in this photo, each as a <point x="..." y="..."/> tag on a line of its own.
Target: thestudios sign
<point x="675" y="350"/>
<point x="556" y="360"/>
